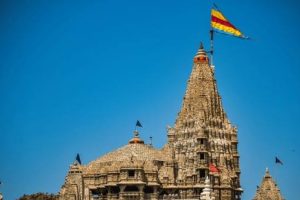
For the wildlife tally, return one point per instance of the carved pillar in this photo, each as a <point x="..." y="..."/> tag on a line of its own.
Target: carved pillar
<point x="141" y="192"/>
<point x="121" y="194"/>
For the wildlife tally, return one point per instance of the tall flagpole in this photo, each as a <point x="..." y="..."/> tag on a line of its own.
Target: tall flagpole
<point x="211" y="47"/>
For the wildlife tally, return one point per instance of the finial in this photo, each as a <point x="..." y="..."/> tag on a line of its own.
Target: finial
<point x="201" y="45"/>
<point x="136" y="133"/>
<point x="136" y="139"/>
<point x="201" y="55"/>
<point x="267" y="172"/>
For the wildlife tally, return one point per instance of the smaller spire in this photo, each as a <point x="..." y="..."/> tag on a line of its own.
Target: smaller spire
<point x="268" y="189"/>
<point x="207" y="193"/>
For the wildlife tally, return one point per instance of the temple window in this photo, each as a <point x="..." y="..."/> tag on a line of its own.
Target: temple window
<point x="131" y="173"/>
<point x="201" y="141"/>
<point x="202" y="156"/>
<point x="202" y="173"/>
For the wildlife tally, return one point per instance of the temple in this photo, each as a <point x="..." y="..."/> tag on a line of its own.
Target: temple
<point x="199" y="161"/>
<point x="268" y="189"/>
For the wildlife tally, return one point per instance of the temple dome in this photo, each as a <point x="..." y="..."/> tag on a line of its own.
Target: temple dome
<point x="137" y="155"/>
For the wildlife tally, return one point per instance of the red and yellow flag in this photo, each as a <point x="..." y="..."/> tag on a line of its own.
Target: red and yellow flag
<point x="220" y="23"/>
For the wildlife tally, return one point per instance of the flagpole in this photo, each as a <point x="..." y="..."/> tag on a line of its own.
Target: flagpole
<point x="211" y="47"/>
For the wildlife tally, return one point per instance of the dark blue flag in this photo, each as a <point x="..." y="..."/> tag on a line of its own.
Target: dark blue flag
<point x="78" y="159"/>
<point x="277" y="161"/>
<point x="138" y="124"/>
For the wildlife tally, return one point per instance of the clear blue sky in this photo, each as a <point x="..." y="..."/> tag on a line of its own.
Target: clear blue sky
<point x="75" y="76"/>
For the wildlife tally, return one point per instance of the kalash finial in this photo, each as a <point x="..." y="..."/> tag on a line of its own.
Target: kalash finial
<point x="136" y="133"/>
<point x="136" y="139"/>
<point x="201" y="56"/>
<point x="267" y="174"/>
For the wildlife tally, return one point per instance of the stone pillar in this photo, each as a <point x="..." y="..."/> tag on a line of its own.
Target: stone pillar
<point x="122" y="188"/>
<point x="141" y="192"/>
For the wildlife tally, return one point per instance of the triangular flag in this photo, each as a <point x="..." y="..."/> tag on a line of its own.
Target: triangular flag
<point x="221" y="24"/>
<point x="138" y="124"/>
<point x="277" y="161"/>
<point x="78" y="158"/>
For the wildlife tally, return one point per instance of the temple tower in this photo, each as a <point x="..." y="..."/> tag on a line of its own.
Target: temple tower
<point x="203" y="138"/>
<point x="268" y="189"/>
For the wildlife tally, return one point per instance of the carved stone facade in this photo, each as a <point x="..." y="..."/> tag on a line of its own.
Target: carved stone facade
<point x="268" y="189"/>
<point x="202" y="143"/>
<point x="203" y="136"/>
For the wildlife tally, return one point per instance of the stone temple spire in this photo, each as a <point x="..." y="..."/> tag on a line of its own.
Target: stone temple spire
<point x="201" y="100"/>
<point x="268" y="189"/>
<point x="203" y="136"/>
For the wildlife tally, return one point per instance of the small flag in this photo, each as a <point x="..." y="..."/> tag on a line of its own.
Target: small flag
<point x="277" y="161"/>
<point x="138" y="124"/>
<point x="213" y="168"/>
<point x="78" y="158"/>
<point x="220" y="23"/>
